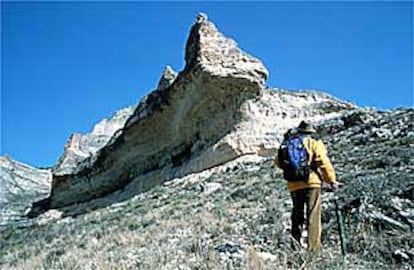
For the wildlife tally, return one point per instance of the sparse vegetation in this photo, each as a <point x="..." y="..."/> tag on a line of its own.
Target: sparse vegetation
<point x="244" y="224"/>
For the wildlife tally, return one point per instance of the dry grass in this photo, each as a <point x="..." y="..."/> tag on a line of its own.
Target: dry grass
<point x="179" y="227"/>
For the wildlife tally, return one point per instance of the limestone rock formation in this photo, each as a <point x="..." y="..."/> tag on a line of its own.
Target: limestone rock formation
<point x="20" y="186"/>
<point x="213" y="111"/>
<point x="209" y="51"/>
<point x="173" y="125"/>
<point x="167" y="78"/>
<point x="80" y="147"/>
<point x="212" y="130"/>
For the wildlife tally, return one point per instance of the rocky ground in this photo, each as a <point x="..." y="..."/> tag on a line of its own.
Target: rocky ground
<point x="236" y="216"/>
<point x="127" y="196"/>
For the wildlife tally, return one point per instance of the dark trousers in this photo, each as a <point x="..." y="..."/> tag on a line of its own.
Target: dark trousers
<point x="311" y="197"/>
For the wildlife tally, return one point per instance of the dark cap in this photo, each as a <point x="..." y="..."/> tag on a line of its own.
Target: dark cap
<point x="305" y="127"/>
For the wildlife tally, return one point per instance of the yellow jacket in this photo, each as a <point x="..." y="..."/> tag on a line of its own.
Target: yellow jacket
<point x="317" y="152"/>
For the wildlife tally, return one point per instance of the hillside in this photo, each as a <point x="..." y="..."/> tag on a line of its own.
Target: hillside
<point x="237" y="214"/>
<point x="185" y="179"/>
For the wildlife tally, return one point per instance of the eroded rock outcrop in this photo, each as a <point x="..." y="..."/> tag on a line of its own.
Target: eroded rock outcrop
<point x="20" y="185"/>
<point x="213" y="111"/>
<point x="80" y="147"/>
<point x="173" y="125"/>
<point x="167" y="78"/>
<point x="210" y="113"/>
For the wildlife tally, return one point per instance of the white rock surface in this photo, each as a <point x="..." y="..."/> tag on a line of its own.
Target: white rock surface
<point x="79" y="147"/>
<point x="214" y="111"/>
<point x="20" y="186"/>
<point x="172" y="124"/>
<point x="167" y="78"/>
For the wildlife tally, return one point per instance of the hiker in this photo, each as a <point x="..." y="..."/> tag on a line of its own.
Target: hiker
<point x="305" y="164"/>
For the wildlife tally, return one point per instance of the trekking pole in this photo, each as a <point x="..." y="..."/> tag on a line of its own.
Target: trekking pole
<point x="340" y="220"/>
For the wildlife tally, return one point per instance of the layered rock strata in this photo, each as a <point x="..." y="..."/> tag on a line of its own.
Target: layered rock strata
<point x="172" y="125"/>
<point x="80" y="147"/>
<point x="20" y="185"/>
<point x="213" y="111"/>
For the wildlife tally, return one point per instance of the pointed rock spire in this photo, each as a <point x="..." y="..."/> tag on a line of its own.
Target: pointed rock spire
<point x="211" y="51"/>
<point x="167" y="78"/>
<point x="201" y="17"/>
<point x="177" y="130"/>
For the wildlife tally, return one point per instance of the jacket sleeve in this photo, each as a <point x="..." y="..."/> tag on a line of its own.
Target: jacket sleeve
<point x="323" y="163"/>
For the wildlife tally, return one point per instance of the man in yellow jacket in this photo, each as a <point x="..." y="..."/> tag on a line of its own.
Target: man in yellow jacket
<point x="308" y="191"/>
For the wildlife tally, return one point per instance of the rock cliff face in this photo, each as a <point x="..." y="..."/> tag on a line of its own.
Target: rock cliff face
<point x="80" y="147"/>
<point x="167" y="78"/>
<point x="200" y="107"/>
<point x="212" y="130"/>
<point x="214" y="111"/>
<point x="20" y="185"/>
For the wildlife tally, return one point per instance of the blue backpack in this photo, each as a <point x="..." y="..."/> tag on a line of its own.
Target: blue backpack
<point x="294" y="159"/>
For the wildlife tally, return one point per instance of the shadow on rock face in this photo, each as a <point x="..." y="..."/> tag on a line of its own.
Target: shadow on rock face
<point x="39" y="208"/>
<point x="172" y="125"/>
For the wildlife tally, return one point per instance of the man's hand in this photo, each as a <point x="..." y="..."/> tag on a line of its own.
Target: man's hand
<point x="335" y="186"/>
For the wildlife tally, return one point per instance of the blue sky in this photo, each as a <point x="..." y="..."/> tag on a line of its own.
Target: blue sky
<point x="65" y="66"/>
